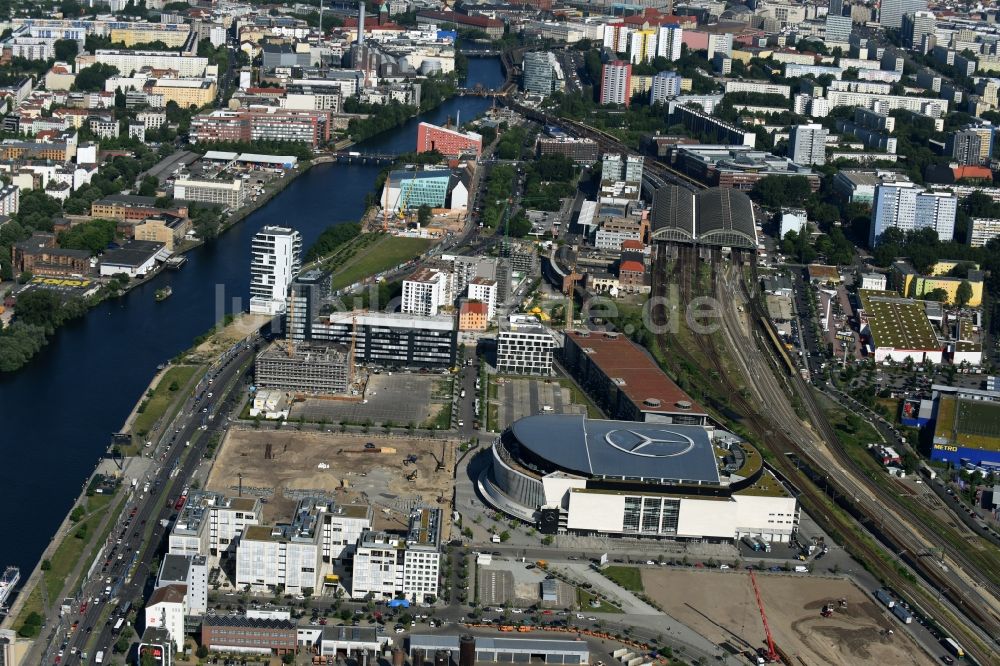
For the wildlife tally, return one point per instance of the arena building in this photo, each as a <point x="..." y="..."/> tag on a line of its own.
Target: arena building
<point x="570" y="474"/>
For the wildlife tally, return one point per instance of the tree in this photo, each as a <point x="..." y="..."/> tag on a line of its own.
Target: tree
<point x="46" y="565"/>
<point x="66" y="50"/>
<point x="424" y="215"/>
<point x="123" y="644"/>
<point x="288" y="658"/>
<point x="505" y="536"/>
<point x="963" y="294"/>
<point x="201" y="652"/>
<point x="938" y="294"/>
<point x="92" y="78"/>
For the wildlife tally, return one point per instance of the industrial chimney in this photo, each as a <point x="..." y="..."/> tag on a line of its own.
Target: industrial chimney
<point x="467" y="651"/>
<point x="361" y="23"/>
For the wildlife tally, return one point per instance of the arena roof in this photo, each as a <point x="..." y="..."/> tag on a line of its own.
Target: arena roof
<point x="716" y="216"/>
<point x="621" y="449"/>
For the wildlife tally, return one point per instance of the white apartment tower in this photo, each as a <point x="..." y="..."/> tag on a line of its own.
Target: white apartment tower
<point x="276" y="260"/>
<point x="616" y="83"/>
<point x="668" y="42"/>
<point x="484" y="290"/>
<point x="808" y="144"/>
<point x="908" y="207"/>
<point x="425" y="291"/>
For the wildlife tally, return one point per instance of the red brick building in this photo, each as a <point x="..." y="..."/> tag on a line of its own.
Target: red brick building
<point x="448" y="142"/>
<point x="39" y="256"/>
<point x="631" y="275"/>
<point x="248" y="635"/>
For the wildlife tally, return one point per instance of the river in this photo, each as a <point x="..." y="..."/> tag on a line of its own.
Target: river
<point x="58" y="412"/>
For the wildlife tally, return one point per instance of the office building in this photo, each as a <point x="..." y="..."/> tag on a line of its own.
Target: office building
<point x="524" y="347"/>
<point x="246" y="635"/>
<point x="465" y="269"/>
<point x="915" y="26"/>
<point x="311" y="127"/>
<point x="190" y="571"/>
<point x="165" y="609"/>
<point x="668" y="42"/>
<point x="543" y="74"/>
<point x="580" y="150"/>
<point x="228" y="194"/>
<point x="276" y="260"/>
<point x="666" y="85"/>
<point x="487" y="650"/>
<point x="616" y="83"/>
<point x="211" y="523"/>
<point x="891" y="11"/>
<point x="838" y="28"/>
<point x="388" y="567"/>
<point x="807" y="144"/>
<point x="447" y="141"/>
<point x="425" y="291"/>
<point x="627" y="168"/>
<point x="303" y="369"/>
<point x="389" y="339"/>
<point x="409" y="190"/>
<point x="738" y="167"/>
<point x="908" y="207"/>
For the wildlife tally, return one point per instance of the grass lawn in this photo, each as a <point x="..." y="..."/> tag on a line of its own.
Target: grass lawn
<point x="441" y="420"/>
<point x="157" y="405"/>
<point x="583" y="599"/>
<point x="627" y="577"/>
<point x="385" y="253"/>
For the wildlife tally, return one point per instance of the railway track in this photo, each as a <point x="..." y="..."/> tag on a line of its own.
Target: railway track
<point x="815" y="500"/>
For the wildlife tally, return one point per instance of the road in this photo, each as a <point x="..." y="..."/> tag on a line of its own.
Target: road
<point x="135" y="542"/>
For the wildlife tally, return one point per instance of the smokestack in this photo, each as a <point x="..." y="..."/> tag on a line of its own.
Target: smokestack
<point x="361" y="23"/>
<point x="466" y="651"/>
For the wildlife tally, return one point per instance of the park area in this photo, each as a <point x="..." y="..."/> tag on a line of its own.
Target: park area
<point x="721" y="606"/>
<point x="284" y="465"/>
<point x="379" y="255"/>
<point x="153" y="407"/>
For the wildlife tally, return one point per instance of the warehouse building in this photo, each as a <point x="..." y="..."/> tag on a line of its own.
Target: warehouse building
<point x="896" y="328"/>
<point x="498" y="650"/>
<point x="966" y="429"/>
<point x="570" y="474"/>
<point x="625" y="382"/>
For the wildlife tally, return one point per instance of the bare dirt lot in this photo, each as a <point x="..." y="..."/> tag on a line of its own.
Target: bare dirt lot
<point x="354" y="474"/>
<point x="721" y="606"/>
<point x="220" y="340"/>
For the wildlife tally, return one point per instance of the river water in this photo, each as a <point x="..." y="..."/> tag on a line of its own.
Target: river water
<point x="58" y="412"/>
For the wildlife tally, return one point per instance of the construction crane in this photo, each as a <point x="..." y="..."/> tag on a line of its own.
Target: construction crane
<point x="772" y="653"/>
<point x="354" y="339"/>
<point x="405" y="204"/>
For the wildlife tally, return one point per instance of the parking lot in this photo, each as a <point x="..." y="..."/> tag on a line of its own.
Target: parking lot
<point x="517" y="398"/>
<point x="512" y="582"/>
<point x="401" y="399"/>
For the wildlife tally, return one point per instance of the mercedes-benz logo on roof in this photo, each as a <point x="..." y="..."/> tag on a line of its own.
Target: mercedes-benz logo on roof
<point x="654" y="444"/>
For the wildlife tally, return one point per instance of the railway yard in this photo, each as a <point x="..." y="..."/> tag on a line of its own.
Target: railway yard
<point x="754" y="378"/>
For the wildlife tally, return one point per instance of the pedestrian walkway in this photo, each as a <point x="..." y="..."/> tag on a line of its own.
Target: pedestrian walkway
<point x="629" y="603"/>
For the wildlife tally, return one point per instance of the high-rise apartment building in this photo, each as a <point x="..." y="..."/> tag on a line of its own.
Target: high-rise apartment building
<point x="908" y="207"/>
<point x="807" y="144"/>
<point x="642" y="46"/>
<point x="666" y="85"/>
<point x="425" y="292"/>
<point x="447" y="141"/>
<point x="626" y="168"/>
<point x="543" y="74"/>
<point x="891" y="11"/>
<point x="915" y="26"/>
<point x="276" y="260"/>
<point x="616" y="83"/>
<point x="668" y="42"/>
<point x="972" y="144"/>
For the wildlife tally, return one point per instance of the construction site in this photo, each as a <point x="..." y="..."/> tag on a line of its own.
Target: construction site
<point x="807" y="621"/>
<point x="391" y="474"/>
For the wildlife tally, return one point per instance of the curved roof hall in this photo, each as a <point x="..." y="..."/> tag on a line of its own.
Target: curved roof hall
<point x="715" y="216"/>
